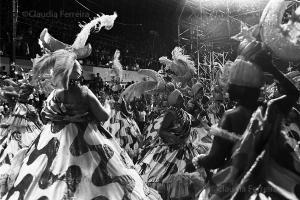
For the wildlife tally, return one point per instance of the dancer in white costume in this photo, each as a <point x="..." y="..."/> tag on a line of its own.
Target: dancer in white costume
<point x="74" y="157"/>
<point x="121" y="124"/>
<point x="17" y="131"/>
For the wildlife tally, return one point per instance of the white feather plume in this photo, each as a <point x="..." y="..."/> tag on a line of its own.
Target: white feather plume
<point x="184" y="62"/>
<point x="157" y="83"/>
<point x="106" y="21"/>
<point x="164" y="60"/>
<point x="59" y="64"/>
<point x="181" y="65"/>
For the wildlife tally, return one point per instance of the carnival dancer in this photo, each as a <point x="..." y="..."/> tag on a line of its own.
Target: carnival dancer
<point x="164" y="162"/>
<point x="245" y="81"/>
<point x="265" y="163"/>
<point x="18" y="131"/>
<point x="197" y="107"/>
<point x="124" y="128"/>
<point x="183" y="69"/>
<point x="160" y="98"/>
<point x="74" y="157"/>
<point x="121" y="123"/>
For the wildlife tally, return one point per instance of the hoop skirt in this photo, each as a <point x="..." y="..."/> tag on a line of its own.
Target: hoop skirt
<point x="76" y="160"/>
<point x="126" y="132"/>
<point x="201" y="139"/>
<point x="17" y="131"/>
<point x="164" y="167"/>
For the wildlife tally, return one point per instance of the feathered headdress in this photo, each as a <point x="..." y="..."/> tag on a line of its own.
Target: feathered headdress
<point x="181" y="65"/>
<point x="60" y="57"/>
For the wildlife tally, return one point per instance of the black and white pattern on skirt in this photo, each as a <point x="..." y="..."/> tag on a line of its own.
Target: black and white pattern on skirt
<point x="77" y="161"/>
<point x="163" y="166"/>
<point x="126" y="132"/>
<point x="16" y="132"/>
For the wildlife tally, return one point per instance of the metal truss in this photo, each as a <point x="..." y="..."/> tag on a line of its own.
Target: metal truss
<point x="198" y="39"/>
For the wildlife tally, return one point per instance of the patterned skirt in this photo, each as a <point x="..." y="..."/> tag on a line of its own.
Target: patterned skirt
<point x="77" y="161"/>
<point x="165" y="167"/>
<point x="126" y="132"/>
<point x="16" y="132"/>
<point x="201" y="139"/>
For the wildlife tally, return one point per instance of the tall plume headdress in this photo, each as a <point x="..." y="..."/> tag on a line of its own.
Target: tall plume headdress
<point x="117" y="69"/>
<point x="181" y="65"/>
<point x="60" y="58"/>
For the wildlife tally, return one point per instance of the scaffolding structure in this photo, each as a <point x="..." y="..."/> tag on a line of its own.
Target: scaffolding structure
<point x="197" y="25"/>
<point x="205" y="29"/>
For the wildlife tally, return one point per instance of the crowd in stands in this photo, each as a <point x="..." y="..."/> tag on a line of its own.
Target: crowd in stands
<point x="133" y="57"/>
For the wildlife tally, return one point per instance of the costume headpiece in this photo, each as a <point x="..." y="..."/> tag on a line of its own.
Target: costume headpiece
<point x="245" y="73"/>
<point x="181" y="65"/>
<point x="61" y="58"/>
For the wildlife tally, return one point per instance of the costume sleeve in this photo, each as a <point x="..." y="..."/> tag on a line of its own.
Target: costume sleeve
<point x="220" y="150"/>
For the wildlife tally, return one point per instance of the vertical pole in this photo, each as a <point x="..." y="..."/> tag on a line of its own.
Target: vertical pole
<point x="14" y="30"/>
<point x="198" y="62"/>
<point x="179" y="24"/>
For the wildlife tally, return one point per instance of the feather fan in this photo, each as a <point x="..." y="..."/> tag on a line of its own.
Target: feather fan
<point x="152" y="74"/>
<point x="137" y="89"/>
